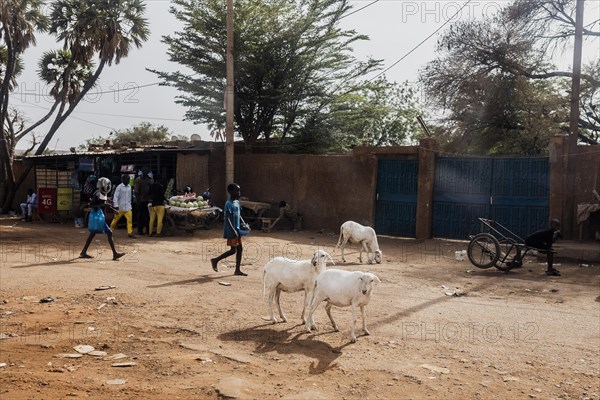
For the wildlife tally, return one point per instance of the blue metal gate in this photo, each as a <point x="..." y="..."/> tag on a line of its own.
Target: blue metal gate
<point x="396" y="205"/>
<point x="513" y="191"/>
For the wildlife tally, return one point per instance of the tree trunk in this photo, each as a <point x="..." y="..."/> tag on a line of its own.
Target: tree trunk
<point x="13" y="190"/>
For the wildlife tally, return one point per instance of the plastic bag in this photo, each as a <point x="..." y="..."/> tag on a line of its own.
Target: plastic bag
<point x="244" y="229"/>
<point x="97" y="221"/>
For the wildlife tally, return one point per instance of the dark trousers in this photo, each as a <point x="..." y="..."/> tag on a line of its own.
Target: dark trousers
<point x="143" y="217"/>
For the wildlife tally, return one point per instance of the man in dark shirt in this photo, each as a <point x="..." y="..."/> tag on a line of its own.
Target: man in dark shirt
<point x="141" y="188"/>
<point x="542" y="241"/>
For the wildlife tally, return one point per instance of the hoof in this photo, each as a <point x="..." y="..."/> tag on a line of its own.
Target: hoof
<point x="367" y="333"/>
<point x="353" y="339"/>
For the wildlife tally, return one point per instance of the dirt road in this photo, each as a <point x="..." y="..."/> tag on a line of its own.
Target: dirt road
<point x="439" y="327"/>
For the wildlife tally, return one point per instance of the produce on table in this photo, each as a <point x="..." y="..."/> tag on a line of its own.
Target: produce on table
<point x="188" y="202"/>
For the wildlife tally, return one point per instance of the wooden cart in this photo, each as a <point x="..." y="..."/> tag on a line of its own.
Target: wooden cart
<point x="189" y="219"/>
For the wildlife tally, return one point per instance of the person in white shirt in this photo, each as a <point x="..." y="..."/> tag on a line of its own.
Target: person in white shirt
<point x="29" y="205"/>
<point x="122" y="204"/>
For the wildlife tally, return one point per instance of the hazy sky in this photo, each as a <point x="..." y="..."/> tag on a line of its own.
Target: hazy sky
<point x="395" y="27"/>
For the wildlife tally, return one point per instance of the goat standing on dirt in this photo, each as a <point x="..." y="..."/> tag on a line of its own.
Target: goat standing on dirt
<point x="342" y="289"/>
<point x="354" y="232"/>
<point x="281" y="274"/>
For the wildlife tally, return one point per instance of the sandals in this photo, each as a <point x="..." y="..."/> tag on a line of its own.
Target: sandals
<point x="553" y="272"/>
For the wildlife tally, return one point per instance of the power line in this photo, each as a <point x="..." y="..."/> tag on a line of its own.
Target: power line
<point x="421" y="43"/>
<point x="109" y="115"/>
<point x="103" y="92"/>
<point x="360" y="9"/>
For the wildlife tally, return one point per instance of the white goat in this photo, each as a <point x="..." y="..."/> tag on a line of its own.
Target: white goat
<point x="342" y="289"/>
<point x="281" y="274"/>
<point x="354" y="232"/>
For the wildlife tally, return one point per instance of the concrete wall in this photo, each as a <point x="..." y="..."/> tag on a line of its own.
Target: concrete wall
<point x="327" y="190"/>
<point x="572" y="179"/>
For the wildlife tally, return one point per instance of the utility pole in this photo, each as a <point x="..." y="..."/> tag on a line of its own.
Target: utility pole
<point x="229" y="93"/>
<point x="576" y="82"/>
<point x="569" y="195"/>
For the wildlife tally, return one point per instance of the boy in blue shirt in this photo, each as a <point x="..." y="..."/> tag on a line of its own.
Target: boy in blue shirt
<point x="231" y="230"/>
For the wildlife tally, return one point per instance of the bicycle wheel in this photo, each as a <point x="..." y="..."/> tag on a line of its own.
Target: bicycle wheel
<point x="483" y="250"/>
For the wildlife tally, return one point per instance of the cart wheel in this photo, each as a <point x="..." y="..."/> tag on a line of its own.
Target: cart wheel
<point x="483" y="250"/>
<point x="508" y="253"/>
<point x="168" y="226"/>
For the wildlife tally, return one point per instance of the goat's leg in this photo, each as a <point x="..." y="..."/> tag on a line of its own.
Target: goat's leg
<point x="328" y="309"/>
<point x="344" y="241"/>
<point x="277" y="294"/>
<point x="364" y="320"/>
<point x="314" y="303"/>
<point x="353" y="334"/>
<point x="363" y="247"/>
<point x="308" y="296"/>
<point x="270" y="299"/>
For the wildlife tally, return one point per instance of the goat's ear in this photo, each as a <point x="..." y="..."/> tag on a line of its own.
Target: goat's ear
<point x="376" y="278"/>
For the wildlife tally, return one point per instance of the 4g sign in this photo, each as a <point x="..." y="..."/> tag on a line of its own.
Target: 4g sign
<point x="46" y="200"/>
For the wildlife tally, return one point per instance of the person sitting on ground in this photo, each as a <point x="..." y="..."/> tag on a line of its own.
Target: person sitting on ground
<point x="287" y="211"/>
<point x="542" y="241"/>
<point x="29" y="205"/>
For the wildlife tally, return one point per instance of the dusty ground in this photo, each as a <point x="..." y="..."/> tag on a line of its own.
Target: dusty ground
<point x="516" y="335"/>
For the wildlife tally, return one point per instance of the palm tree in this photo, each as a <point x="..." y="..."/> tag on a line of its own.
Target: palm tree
<point x="106" y="29"/>
<point x="19" y="20"/>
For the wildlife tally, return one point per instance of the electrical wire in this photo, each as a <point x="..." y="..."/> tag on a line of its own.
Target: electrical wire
<point x="360" y="9"/>
<point x="421" y="43"/>
<point x="96" y="93"/>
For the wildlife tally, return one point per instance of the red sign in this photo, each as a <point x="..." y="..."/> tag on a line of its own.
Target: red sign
<point x="46" y="200"/>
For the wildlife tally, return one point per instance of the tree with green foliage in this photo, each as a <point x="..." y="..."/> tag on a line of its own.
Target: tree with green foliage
<point x="86" y="29"/>
<point x="292" y="62"/>
<point x="499" y="90"/>
<point x="143" y="133"/>
<point x="380" y="114"/>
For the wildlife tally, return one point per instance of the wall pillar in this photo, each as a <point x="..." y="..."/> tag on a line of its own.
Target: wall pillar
<point x="558" y="153"/>
<point x="427" y="149"/>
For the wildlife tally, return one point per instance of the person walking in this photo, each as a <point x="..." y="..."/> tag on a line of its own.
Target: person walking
<point x="231" y="230"/>
<point x="141" y="188"/>
<point x="122" y="204"/>
<point x="97" y="222"/>
<point x="157" y="208"/>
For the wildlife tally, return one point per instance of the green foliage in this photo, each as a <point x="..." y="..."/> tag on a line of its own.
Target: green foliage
<point x="52" y="67"/>
<point x="142" y="133"/>
<point x="18" y="68"/>
<point x="380" y="114"/>
<point x="497" y="90"/>
<point x="86" y="29"/>
<point x="96" y="140"/>
<point x="108" y="28"/>
<point x="291" y="60"/>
